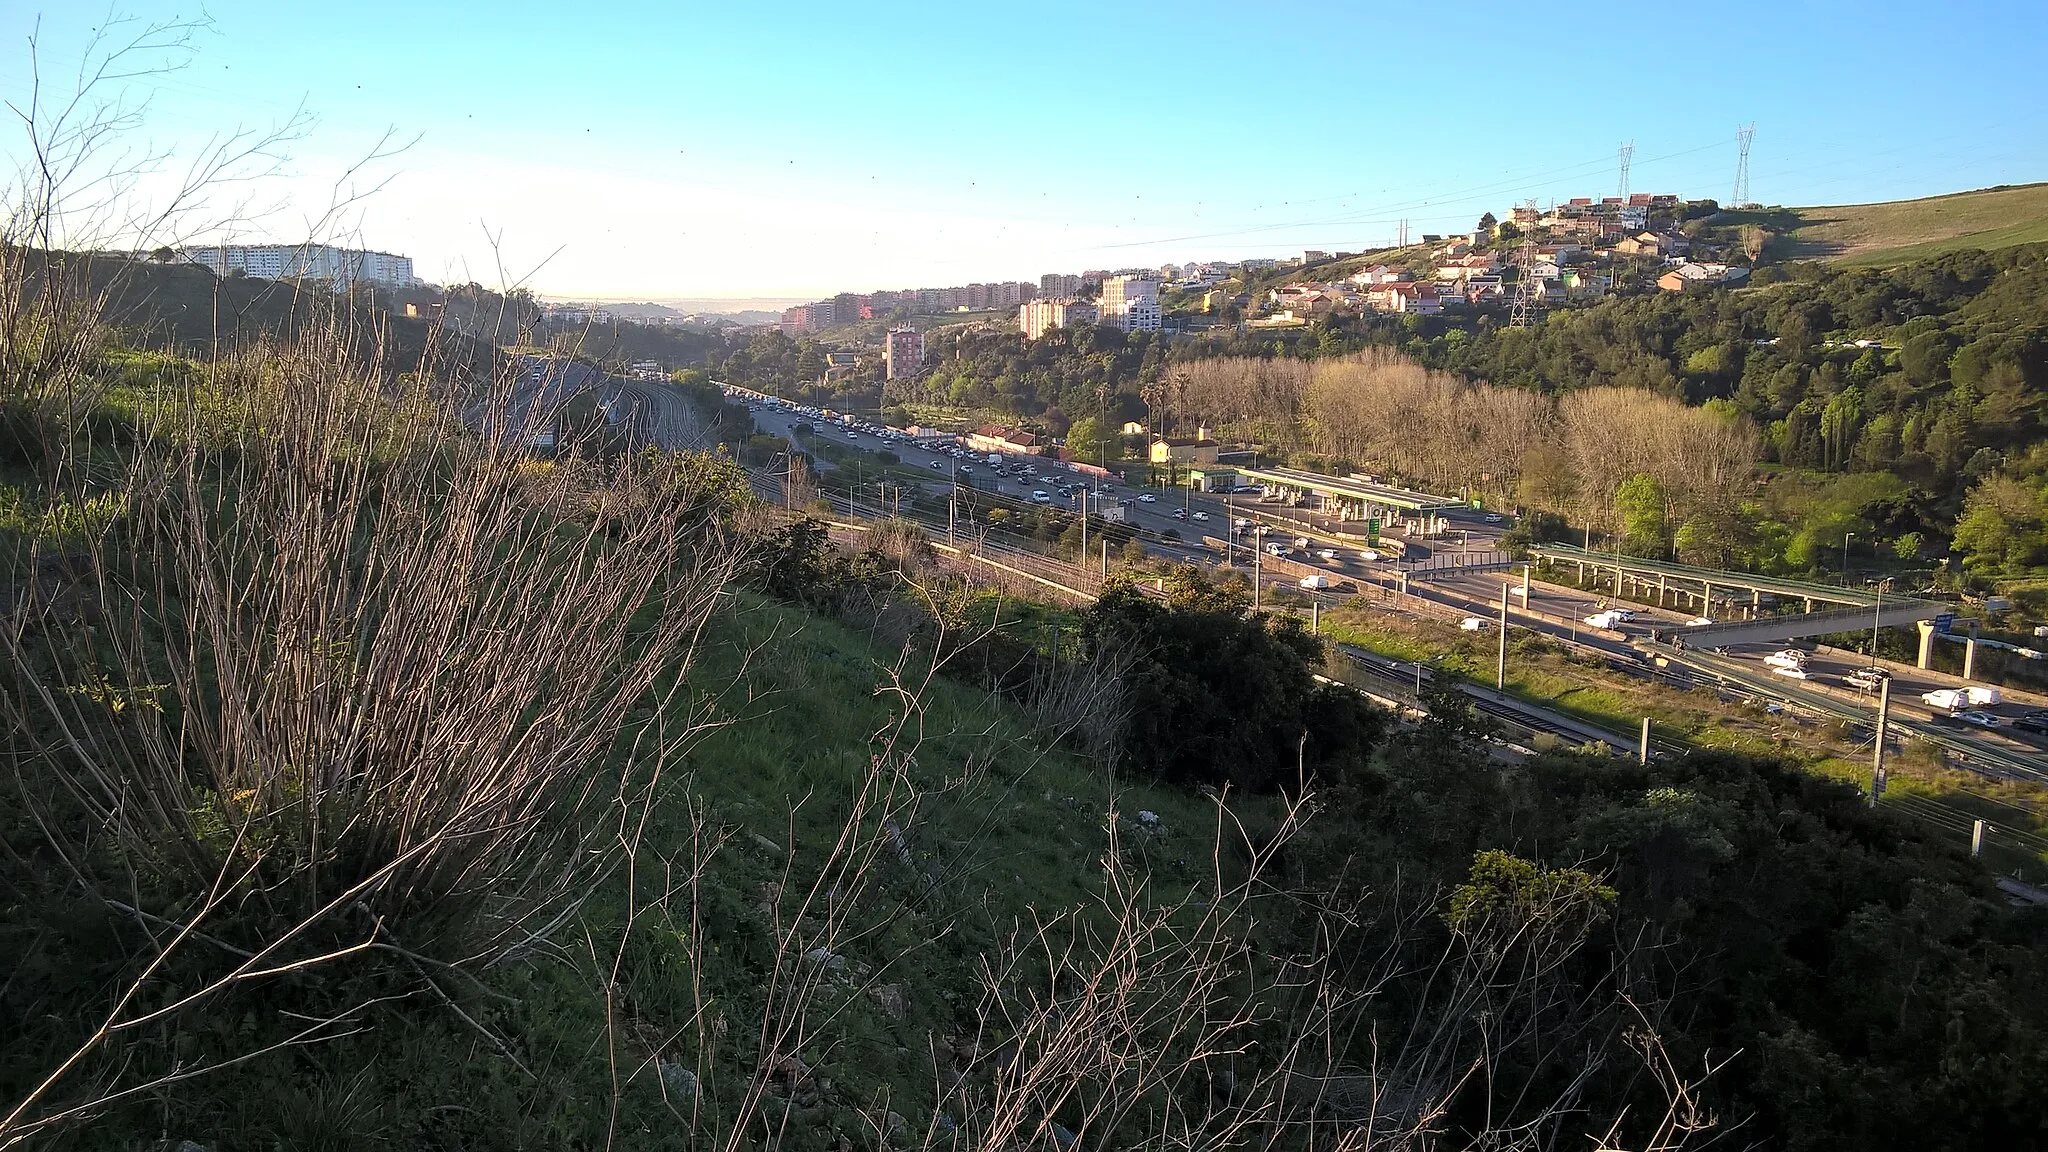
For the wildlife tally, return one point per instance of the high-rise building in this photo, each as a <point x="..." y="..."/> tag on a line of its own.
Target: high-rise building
<point x="1038" y="317"/>
<point x="902" y="353"/>
<point x="845" y="308"/>
<point x="341" y="266"/>
<point x="1130" y="303"/>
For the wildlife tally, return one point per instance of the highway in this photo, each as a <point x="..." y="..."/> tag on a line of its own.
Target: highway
<point x="1554" y="610"/>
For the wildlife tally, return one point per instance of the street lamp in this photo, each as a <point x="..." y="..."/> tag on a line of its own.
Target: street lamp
<point x="1846" y="537"/>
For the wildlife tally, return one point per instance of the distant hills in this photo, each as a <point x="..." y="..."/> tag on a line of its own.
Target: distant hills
<point x="1901" y="231"/>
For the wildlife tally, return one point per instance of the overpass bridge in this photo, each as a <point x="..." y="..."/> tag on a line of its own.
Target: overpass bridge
<point x="1351" y="498"/>
<point x="1686" y="586"/>
<point x="1768" y="629"/>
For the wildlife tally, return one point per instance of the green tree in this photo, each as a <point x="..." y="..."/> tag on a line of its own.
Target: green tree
<point x="2001" y="526"/>
<point x="1089" y="438"/>
<point x="1644" y="508"/>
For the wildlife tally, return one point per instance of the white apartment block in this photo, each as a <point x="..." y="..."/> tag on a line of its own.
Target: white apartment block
<point x="1130" y="303"/>
<point x="342" y="266"/>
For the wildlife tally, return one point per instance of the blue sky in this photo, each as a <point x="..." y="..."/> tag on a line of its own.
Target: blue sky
<point x="675" y="150"/>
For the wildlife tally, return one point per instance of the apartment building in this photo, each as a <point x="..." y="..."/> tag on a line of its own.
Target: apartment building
<point x="1130" y="303"/>
<point x="1037" y="317"/>
<point x="342" y="266"/>
<point x="902" y="353"/>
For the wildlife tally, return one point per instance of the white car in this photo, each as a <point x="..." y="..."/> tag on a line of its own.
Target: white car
<point x="1473" y="624"/>
<point x="1789" y="672"/>
<point x="1789" y="658"/>
<point x="1699" y="621"/>
<point x="1369" y="555"/>
<point x="1327" y="554"/>
<point x="1041" y="497"/>
<point x="1147" y="498"/>
<point x="1605" y="620"/>
<point x="1200" y="515"/>
<point x="1980" y="719"/>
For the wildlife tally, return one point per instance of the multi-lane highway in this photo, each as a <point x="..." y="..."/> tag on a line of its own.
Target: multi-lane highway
<point x="1551" y="609"/>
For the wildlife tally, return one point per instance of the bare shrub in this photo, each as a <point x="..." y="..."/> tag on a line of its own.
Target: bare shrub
<point x="350" y="671"/>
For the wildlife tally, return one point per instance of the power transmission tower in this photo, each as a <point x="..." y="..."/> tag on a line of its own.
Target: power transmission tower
<point x="1743" y="136"/>
<point x="1627" y="153"/>
<point x="1522" y="311"/>
<point x="1404" y="234"/>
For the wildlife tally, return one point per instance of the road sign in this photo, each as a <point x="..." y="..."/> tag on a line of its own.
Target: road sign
<point x="1944" y="622"/>
<point x="1372" y="530"/>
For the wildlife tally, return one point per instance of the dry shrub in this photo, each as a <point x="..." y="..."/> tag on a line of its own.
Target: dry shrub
<point x="351" y="657"/>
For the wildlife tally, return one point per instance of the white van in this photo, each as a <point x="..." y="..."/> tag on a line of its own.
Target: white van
<point x="1315" y="583"/>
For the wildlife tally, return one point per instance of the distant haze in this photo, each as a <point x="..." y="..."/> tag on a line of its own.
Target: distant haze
<point x="714" y="305"/>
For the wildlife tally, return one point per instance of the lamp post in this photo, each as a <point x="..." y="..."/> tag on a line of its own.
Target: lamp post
<point x="1846" y="537"/>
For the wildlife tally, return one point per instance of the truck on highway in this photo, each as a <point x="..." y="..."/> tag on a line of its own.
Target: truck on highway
<point x="1946" y="699"/>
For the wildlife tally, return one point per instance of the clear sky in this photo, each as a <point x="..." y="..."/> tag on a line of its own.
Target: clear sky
<point x="791" y="149"/>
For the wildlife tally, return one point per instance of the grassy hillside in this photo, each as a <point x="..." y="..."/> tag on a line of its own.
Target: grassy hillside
<point x="1901" y="231"/>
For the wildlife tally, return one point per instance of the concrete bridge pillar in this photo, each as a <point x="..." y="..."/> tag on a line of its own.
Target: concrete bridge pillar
<point x="1926" y="629"/>
<point x="1706" y="597"/>
<point x="1970" y="658"/>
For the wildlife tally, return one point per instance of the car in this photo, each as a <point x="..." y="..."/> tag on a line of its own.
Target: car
<point x="1866" y="679"/>
<point x="1147" y="498"/>
<point x="1370" y="555"/>
<point x="1605" y="620"/>
<point x="1314" y="583"/>
<point x="1473" y="624"/>
<point x="1278" y="550"/>
<point x="1327" y="554"/>
<point x="1041" y="497"/>
<point x="1493" y="517"/>
<point x="1788" y="658"/>
<point x="1301" y="542"/>
<point x="1240" y="524"/>
<point x="852" y="435"/>
<point x="1200" y="515"/>
<point x="2030" y="724"/>
<point x="1699" y="622"/>
<point x="2037" y="715"/>
<point x="1624" y="615"/>
<point x="1180" y="513"/>
<point x="938" y="467"/>
<point x="1980" y="719"/>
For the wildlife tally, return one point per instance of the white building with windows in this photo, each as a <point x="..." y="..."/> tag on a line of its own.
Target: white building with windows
<point x="342" y="266"/>
<point x="1130" y="303"/>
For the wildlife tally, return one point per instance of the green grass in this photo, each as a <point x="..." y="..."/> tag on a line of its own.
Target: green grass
<point x="1902" y="231"/>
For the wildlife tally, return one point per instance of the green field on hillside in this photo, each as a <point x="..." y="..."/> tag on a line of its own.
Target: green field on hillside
<point x="1901" y="231"/>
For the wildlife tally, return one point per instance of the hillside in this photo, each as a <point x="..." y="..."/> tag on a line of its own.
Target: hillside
<point x="1900" y="231"/>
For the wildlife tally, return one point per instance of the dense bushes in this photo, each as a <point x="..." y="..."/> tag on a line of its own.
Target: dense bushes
<point x="1220" y="696"/>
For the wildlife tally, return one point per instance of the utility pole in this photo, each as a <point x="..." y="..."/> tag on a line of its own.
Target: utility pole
<point x="1884" y="708"/>
<point x="1500" y="672"/>
<point x="1105" y="559"/>
<point x="1084" y="524"/>
<point x="1255" y="578"/>
<point x="1315" y="615"/>
<point x="1643" y="749"/>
